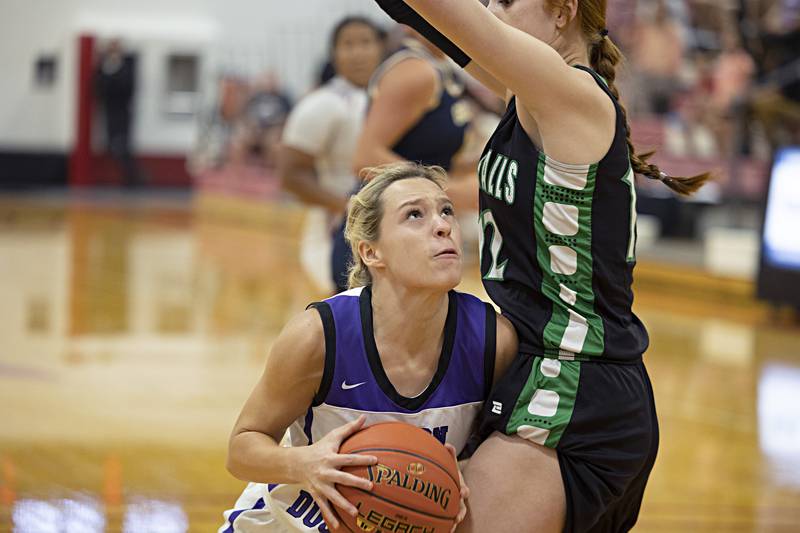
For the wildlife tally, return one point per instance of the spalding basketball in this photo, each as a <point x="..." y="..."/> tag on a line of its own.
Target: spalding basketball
<point x="415" y="483"/>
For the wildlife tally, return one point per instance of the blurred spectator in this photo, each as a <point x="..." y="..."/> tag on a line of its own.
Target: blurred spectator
<point x="776" y="103"/>
<point x="259" y="128"/>
<point x="657" y="57"/>
<point x="115" y="84"/>
<point x="243" y="126"/>
<point x="216" y="127"/>
<point x="620" y="18"/>
<point x="732" y="76"/>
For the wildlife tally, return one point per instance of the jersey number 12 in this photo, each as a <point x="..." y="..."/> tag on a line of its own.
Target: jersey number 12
<point x="495" y="245"/>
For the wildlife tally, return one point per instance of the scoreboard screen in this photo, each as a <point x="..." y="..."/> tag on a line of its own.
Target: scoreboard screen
<point x="779" y="275"/>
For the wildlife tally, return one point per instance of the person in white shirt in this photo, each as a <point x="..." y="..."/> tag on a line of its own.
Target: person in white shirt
<point x="315" y="157"/>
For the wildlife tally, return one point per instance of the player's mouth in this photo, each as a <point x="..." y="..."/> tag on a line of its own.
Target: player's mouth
<point x="447" y="253"/>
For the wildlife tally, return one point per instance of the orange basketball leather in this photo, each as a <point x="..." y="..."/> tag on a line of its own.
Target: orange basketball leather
<point x="416" y="487"/>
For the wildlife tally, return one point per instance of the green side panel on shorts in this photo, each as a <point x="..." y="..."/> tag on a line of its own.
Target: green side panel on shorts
<point x="544" y="407"/>
<point x="574" y="327"/>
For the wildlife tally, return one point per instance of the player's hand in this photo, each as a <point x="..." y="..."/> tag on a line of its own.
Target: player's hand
<point x="462" y="511"/>
<point x="320" y="471"/>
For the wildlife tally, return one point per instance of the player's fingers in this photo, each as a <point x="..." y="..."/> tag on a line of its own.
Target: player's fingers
<point x="462" y="514"/>
<point x="343" y="478"/>
<point x="451" y="449"/>
<point x="351" y="427"/>
<point x="327" y="513"/>
<point x="339" y="501"/>
<point x="462" y="485"/>
<point x="355" y="459"/>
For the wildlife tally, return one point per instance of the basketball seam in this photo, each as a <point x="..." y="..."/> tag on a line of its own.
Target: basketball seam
<point x="429" y="515"/>
<point x="342" y="522"/>
<point x="431" y="461"/>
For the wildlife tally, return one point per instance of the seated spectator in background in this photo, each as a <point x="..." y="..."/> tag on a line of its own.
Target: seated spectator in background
<point x="776" y="102"/>
<point x="620" y="18"/>
<point x="732" y="78"/>
<point x="258" y="133"/>
<point x="656" y="59"/>
<point x="216" y="127"/>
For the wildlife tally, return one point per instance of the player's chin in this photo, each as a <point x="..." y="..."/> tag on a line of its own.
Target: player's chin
<point x="447" y="276"/>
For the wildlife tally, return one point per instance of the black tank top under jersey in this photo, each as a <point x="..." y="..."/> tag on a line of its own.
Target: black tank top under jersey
<point x="558" y="245"/>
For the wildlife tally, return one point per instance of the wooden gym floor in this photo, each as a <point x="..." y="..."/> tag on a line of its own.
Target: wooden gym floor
<point x="133" y="328"/>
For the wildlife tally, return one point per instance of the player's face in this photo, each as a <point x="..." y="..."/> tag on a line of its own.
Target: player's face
<point x="357" y="53"/>
<point x="531" y="16"/>
<point x="420" y="239"/>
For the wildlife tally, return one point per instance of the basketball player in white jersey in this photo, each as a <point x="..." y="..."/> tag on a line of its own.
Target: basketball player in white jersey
<point x="320" y="137"/>
<point x="400" y="345"/>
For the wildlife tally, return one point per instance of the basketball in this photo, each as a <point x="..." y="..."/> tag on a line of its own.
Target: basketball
<point x="416" y="485"/>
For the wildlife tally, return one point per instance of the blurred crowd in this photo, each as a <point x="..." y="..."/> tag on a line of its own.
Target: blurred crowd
<point x="721" y="78"/>
<point x="723" y="75"/>
<point x="243" y="125"/>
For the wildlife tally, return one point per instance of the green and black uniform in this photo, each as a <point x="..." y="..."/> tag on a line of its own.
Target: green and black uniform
<point x="557" y="256"/>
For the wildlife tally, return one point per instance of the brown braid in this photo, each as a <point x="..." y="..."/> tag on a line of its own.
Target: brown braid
<point x="605" y="56"/>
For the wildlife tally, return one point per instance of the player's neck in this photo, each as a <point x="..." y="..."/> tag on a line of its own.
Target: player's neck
<point x="576" y="57"/>
<point x="408" y="319"/>
<point x="575" y="53"/>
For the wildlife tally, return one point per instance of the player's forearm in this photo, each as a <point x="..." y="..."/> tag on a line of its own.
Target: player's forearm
<point x="256" y="457"/>
<point x="507" y="54"/>
<point x="307" y="189"/>
<point x="450" y="17"/>
<point x="403" y="13"/>
<point x="374" y="156"/>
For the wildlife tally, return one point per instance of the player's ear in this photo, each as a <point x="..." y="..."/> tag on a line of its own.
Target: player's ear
<point x="370" y="255"/>
<point x="567" y="11"/>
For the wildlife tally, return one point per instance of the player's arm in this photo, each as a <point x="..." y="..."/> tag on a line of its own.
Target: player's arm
<point x="309" y="130"/>
<point x="531" y="69"/>
<point x="297" y="176"/>
<point x="287" y="387"/>
<point x="489" y="81"/>
<point x="401" y="12"/>
<point x="403" y="95"/>
<point x="507" y="345"/>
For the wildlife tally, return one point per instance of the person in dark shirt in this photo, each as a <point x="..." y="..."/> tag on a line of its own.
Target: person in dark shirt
<point x="115" y="82"/>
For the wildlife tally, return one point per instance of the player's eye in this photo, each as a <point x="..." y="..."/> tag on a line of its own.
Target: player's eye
<point x="414" y="214"/>
<point x="448" y="211"/>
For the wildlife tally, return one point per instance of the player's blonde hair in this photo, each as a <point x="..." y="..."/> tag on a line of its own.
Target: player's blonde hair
<point x="365" y="209"/>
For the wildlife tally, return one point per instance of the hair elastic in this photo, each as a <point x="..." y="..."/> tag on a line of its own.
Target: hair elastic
<point x="662" y="176"/>
<point x="604" y="32"/>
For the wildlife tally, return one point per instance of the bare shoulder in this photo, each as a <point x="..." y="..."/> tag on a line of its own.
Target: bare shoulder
<point x="577" y="128"/>
<point x="292" y="377"/>
<point x="412" y="77"/>
<point x="300" y="347"/>
<point x="507" y="345"/>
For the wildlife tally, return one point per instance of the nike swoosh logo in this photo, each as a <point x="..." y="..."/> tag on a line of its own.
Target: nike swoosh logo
<point x="345" y="386"/>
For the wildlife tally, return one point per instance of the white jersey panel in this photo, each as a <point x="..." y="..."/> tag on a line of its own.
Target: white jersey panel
<point x="453" y="423"/>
